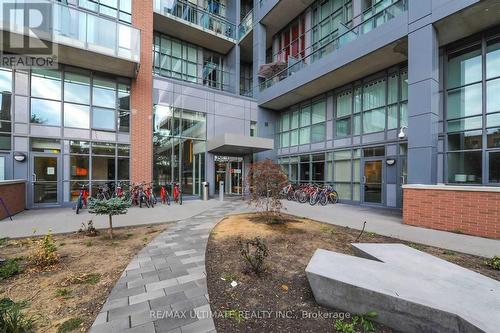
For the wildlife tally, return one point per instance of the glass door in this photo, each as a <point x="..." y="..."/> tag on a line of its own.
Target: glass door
<point x="373" y="182"/>
<point x="45" y="180"/>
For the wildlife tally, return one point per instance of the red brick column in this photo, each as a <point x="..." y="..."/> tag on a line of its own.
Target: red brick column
<point x="13" y="194"/>
<point x="141" y="133"/>
<point x="474" y="211"/>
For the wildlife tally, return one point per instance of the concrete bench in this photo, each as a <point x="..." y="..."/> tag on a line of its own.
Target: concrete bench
<point x="410" y="290"/>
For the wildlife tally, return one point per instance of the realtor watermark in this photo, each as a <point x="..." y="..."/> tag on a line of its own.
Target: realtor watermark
<point x="247" y="314"/>
<point x="27" y="35"/>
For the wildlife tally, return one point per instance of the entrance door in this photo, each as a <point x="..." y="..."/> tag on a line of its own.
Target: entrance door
<point x="373" y="182"/>
<point x="44" y="181"/>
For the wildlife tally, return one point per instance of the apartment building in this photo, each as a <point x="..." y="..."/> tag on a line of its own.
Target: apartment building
<point x="367" y="95"/>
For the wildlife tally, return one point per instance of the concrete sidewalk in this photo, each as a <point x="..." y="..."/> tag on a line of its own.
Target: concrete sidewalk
<point x="63" y="220"/>
<point x="389" y="223"/>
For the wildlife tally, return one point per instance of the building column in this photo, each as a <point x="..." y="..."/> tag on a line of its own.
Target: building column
<point x="141" y="132"/>
<point x="259" y="53"/>
<point x="423" y="105"/>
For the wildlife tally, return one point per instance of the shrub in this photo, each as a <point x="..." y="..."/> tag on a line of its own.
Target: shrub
<point x="254" y="252"/>
<point x="70" y="325"/>
<point x="493" y="263"/>
<point x="64" y="292"/>
<point x="45" y="252"/>
<point x="88" y="229"/>
<point x="12" y="317"/>
<point x="266" y="181"/>
<point x="9" y="268"/>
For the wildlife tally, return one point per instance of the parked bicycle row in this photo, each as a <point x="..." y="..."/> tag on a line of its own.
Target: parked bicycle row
<point x="140" y="194"/>
<point x="312" y="193"/>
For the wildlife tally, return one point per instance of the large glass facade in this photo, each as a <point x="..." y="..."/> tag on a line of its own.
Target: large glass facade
<point x="179" y="147"/>
<point x="187" y="62"/>
<point x="303" y="124"/>
<point x="473" y="113"/>
<point x="5" y="113"/>
<point x="75" y="98"/>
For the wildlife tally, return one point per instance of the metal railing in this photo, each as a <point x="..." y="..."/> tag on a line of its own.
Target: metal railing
<point x="246" y="25"/>
<point x="330" y="43"/>
<point x="196" y="15"/>
<point x="77" y="28"/>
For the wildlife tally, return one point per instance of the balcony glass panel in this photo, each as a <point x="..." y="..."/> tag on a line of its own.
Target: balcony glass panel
<point x="77" y="28"/>
<point x="196" y="15"/>
<point x="346" y="34"/>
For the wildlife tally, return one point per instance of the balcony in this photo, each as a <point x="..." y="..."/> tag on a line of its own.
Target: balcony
<point x="245" y="26"/>
<point x="194" y="24"/>
<point x="83" y="39"/>
<point x="375" y="43"/>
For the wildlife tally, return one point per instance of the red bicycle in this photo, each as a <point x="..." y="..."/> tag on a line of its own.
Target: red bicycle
<point x="164" y="196"/>
<point x="82" y="198"/>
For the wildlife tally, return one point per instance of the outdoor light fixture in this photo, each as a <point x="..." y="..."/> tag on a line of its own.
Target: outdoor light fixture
<point x="19" y="157"/>
<point x="402" y="133"/>
<point x="390" y="161"/>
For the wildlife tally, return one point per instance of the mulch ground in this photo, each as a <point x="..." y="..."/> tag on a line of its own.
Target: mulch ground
<point x="280" y="300"/>
<point x="78" y="285"/>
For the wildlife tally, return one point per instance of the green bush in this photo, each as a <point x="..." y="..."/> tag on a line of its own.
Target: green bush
<point x="12" y="317"/>
<point x="9" y="268"/>
<point x="493" y="263"/>
<point x="70" y="325"/>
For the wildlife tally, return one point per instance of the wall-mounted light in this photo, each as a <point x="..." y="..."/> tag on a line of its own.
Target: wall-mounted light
<point x="402" y="133"/>
<point x="19" y="157"/>
<point x="390" y="161"/>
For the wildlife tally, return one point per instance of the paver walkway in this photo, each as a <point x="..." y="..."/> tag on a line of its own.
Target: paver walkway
<point x="164" y="288"/>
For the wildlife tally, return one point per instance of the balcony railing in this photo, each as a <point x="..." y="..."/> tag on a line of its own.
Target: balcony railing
<point x="246" y="25"/>
<point x="77" y="28"/>
<point x="328" y="44"/>
<point x="193" y="14"/>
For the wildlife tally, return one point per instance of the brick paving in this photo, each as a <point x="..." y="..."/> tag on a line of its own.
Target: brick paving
<point x="164" y="288"/>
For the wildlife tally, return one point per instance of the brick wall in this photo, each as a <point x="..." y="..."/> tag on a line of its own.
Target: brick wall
<point x="141" y="132"/>
<point x="13" y="194"/>
<point x="470" y="212"/>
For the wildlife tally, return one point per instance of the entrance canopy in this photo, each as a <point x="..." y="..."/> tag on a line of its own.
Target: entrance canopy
<point x="238" y="145"/>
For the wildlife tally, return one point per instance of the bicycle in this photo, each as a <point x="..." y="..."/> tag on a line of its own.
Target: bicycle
<point x="164" y="196"/>
<point x="82" y="198"/>
<point x="177" y="194"/>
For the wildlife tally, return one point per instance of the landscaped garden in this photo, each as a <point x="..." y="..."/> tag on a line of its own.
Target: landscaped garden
<point x="282" y="287"/>
<point x="60" y="282"/>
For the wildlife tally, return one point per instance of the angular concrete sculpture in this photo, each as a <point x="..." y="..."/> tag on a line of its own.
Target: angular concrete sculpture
<point x="410" y="290"/>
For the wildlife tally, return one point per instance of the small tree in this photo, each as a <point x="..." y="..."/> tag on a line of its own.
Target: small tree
<point x="111" y="207"/>
<point x="266" y="180"/>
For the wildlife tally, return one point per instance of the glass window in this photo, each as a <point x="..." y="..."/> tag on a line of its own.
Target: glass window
<point x="285" y="122"/>
<point x="319" y="112"/>
<point x="392" y="93"/>
<point x="404" y="85"/>
<point x="374" y="121"/>
<point x="374" y="94"/>
<point x="465" y="140"/>
<point x="494" y="167"/>
<point x="465" y="124"/>
<point x="305" y="135"/>
<point x="124" y="96"/>
<point x="76" y="88"/>
<point x="493" y="120"/>
<point x="124" y="150"/>
<point x="392" y="117"/>
<point x="76" y="115"/>
<point x="5" y="143"/>
<point x="103" y="148"/>
<point x="104" y="93"/>
<point x="465" y="167"/>
<point x="294" y="138"/>
<point x="493" y="96"/>
<point x="123" y="121"/>
<point x="493" y="137"/>
<point x="193" y="125"/>
<point x="493" y="59"/>
<point x="79" y="147"/>
<point x="5" y="106"/>
<point x="103" y="168"/>
<point x="103" y="119"/>
<point x="318" y="133"/>
<point x="294" y="120"/>
<point x="79" y="167"/>
<point x="465" y="67"/>
<point x="343" y="127"/>
<point x="305" y="116"/>
<point x="45" y="145"/>
<point x="5" y="80"/>
<point x="342" y="171"/>
<point x="344" y="104"/>
<point x="464" y="102"/>
<point x="46" y="83"/>
<point x="123" y="169"/>
<point x="45" y="112"/>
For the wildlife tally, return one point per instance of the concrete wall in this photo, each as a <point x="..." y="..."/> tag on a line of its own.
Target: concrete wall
<point x="12" y="192"/>
<point x="470" y="210"/>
